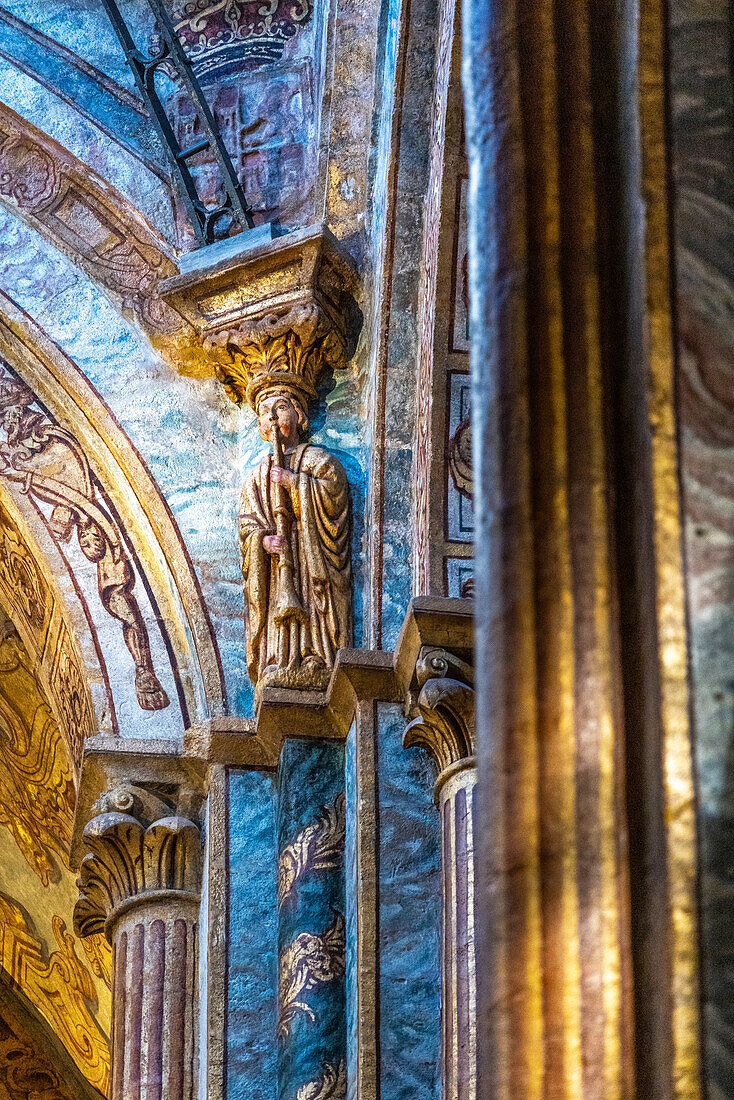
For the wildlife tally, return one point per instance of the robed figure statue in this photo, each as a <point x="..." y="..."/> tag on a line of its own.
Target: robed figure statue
<point x="295" y="533"/>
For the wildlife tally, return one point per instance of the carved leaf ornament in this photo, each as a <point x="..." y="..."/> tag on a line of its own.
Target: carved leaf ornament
<point x="445" y="709"/>
<point x="126" y="861"/>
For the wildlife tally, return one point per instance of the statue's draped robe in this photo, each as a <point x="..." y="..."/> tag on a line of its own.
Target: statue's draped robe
<point x="320" y="545"/>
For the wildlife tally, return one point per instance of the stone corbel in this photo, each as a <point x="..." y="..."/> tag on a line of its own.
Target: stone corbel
<point x="244" y="293"/>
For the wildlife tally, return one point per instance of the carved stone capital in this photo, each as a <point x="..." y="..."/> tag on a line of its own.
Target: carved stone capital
<point x="275" y="311"/>
<point x="137" y="851"/>
<point x="443" y="711"/>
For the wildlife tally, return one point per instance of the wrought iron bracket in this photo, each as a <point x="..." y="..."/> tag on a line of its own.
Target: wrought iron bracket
<point x="204" y="219"/>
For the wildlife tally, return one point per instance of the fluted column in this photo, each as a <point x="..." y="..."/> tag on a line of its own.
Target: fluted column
<point x="445" y="726"/>
<point x="586" y="836"/>
<point x="139" y="884"/>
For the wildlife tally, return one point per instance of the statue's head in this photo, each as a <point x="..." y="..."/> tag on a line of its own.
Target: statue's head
<point x="285" y="410"/>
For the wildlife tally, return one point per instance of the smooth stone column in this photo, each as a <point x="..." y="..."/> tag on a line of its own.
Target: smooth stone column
<point x="445" y="727"/>
<point x="311" y="923"/>
<point x="139" y="884"/>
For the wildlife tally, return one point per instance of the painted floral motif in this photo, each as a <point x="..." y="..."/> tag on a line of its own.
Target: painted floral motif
<point x="318" y="847"/>
<point x="330" y="1085"/>
<point x="310" y="961"/>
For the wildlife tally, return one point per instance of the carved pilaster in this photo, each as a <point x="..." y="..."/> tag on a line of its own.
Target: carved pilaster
<point x="444" y="724"/>
<point x="139" y="884"/>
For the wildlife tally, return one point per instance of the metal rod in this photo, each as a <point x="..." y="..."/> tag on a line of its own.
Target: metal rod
<point x="203" y="218"/>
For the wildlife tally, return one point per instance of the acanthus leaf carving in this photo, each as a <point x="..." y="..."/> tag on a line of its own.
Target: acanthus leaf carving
<point x="128" y="860"/>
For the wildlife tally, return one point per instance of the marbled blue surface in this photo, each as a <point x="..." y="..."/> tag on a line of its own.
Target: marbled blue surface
<point x="252" y="939"/>
<point x="311" y="779"/>
<point x="409" y="916"/>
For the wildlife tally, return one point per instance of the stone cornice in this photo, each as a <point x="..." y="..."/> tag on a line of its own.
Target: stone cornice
<point x="431" y="623"/>
<point x="256" y="276"/>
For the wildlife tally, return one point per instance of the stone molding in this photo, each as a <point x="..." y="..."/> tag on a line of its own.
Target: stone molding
<point x="431" y="623"/>
<point x="248" y="290"/>
<point x="138" y="851"/>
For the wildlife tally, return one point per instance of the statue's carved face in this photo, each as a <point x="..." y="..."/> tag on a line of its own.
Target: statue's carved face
<point x="282" y="411"/>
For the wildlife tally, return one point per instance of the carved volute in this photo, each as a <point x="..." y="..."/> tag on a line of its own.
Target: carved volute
<point x="137" y="851"/>
<point x="443" y="719"/>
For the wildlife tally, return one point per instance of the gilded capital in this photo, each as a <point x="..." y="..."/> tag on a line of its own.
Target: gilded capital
<point x="443" y="712"/>
<point x="296" y="319"/>
<point x="137" y="850"/>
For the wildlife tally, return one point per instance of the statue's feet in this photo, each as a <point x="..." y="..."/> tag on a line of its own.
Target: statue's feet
<point x="311" y="675"/>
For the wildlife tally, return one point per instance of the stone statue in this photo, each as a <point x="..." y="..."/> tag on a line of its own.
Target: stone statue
<point x="298" y="323"/>
<point x="295" y="533"/>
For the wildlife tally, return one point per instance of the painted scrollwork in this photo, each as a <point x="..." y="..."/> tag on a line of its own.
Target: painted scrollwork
<point x="310" y="961"/>
<point x="330" y="1085"/>
<point x="46" y="462"/>
<point x="36" y="780"/>
<point x="59" y="985"/>
<point x="25" y="1075"/>
<point x="318" y="847"/>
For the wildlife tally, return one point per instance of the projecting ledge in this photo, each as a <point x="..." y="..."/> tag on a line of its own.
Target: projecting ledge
<point x="181" y="768"/>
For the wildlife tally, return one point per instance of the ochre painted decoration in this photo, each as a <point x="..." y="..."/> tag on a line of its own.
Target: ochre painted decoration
<point x="99" y="953"/>
<point x="46" y="462"/>
<point x="318" y="847"/>
<point x="27" y="599"/>
<point x="59" y="985"/>
<point x="310" y="961"/>
<point x="36" y="778"/>
<point x="331" y="1085"/>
